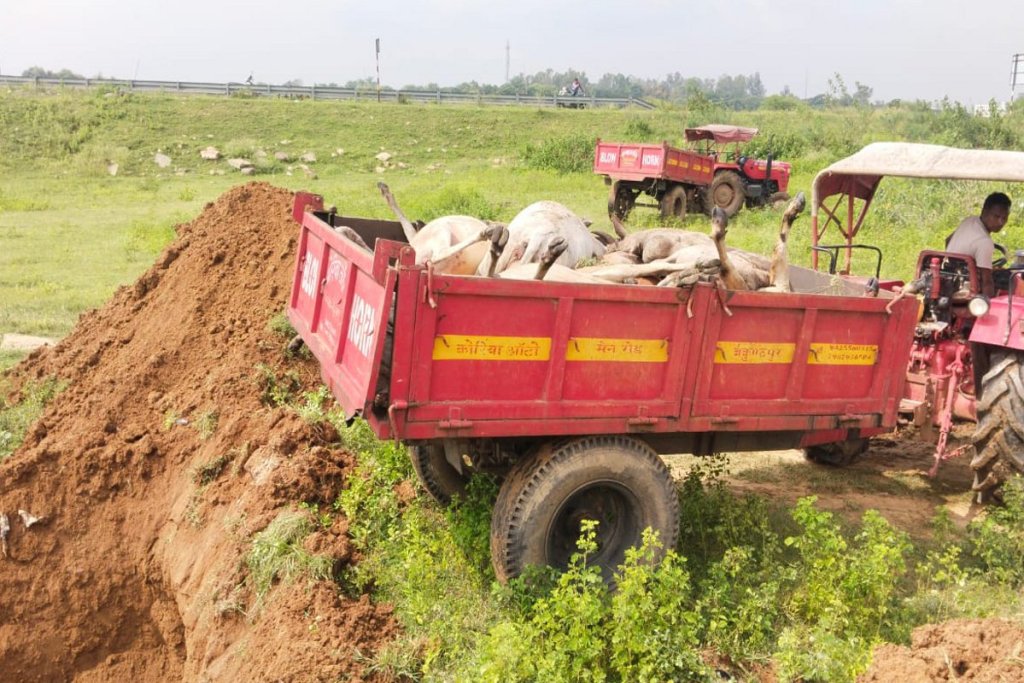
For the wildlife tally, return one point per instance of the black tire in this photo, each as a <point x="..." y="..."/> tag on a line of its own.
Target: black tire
<point x="620" y="200"/>
<point x="726" y="192"/>
<point x="839" y="454"/>
<point x="999" y="436"/>
<point x="673" y="203"/>
<point x="439" y="478"/>
<point x="617" y="480"/>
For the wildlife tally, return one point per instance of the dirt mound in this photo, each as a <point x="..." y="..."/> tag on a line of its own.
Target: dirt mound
<point x="959" y="650"/>
<point x="156" y="466"/>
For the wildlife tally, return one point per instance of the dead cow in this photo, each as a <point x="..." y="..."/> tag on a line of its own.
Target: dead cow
<point x="452" y="244"/>
<point x="532" y="231"/>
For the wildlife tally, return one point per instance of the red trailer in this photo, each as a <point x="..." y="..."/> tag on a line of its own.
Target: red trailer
<point x="570" y="391"/>
<point x="707" y="175"/>
<point x="672" y="176"/>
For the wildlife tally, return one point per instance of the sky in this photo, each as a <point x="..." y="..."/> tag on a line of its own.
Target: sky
<point x="925" y="49"/>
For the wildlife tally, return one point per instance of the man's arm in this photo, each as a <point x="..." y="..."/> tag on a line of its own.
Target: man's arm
<point x="988" y="286"/>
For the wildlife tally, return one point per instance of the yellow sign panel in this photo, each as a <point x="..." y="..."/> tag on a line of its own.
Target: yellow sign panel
<point x="474" y="347"/>
<point x="617" y="350"/>
<point x="673" y="162"/>
<point x="753" y="352"/>
<point x="842" y="354"/>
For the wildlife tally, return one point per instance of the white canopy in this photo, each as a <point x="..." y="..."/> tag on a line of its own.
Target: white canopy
<point x="859" y="174"/>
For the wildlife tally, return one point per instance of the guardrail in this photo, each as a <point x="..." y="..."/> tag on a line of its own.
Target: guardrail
<point x="316" y="92"/>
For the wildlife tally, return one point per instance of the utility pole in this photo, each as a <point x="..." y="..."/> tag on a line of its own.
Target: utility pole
<point x="1016" y="74"/>
<point x="508" y="49"/>
<point x="377" y="44"/>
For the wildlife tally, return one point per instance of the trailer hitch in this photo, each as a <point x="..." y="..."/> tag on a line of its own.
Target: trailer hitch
<point x="946" y="415"/>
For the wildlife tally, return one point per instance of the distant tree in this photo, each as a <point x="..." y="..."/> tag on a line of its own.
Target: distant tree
<point x="40" y="72"/>
<point x="781" y="103"/>
<point x="862" y="96"/>
<point x="293" y="83"/>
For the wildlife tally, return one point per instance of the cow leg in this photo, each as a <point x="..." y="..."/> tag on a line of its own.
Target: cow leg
<point x="407" y="227"/>
<point x="556" y="247"/>
<point x="445" y="258"/>
<point x="499" y="239"/>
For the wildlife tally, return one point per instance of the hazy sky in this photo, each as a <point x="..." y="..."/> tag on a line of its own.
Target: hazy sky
<point x="926" y="49"/>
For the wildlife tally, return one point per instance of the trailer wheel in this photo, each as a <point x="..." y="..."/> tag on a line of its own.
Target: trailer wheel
<point x="999" y="436"/>
<point x="616" y="480"/>
<point x="439" y="478"/>
<point x="726" y="192"/>
<point x="838" y="454"/>
<point x="673" y="203"/>
<point x="620" y="200"/>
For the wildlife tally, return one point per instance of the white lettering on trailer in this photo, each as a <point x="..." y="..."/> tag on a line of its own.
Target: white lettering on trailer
<point x="608" y="157"/>
<point x="360" y="325"/>
<point x="651" y="160"/>
<point x="310" y="270"/>
<point x="336" y="269"/>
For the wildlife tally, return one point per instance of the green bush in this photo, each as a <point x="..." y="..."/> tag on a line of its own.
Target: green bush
<point x="841" y="595"/>
<point x="997" y="539"/>
<point x="456" y="200"/>
<point x="638" y="130"/>
<point x="567" y="154"/>
<point x="583" y="631"/>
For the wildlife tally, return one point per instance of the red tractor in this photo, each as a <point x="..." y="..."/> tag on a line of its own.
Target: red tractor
<point x="967" y="359"/>
<point x="738" y="179"/>
<point x="699" y="178"/>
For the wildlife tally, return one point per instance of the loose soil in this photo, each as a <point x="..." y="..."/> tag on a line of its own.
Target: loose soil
<point x="136" y="570"/>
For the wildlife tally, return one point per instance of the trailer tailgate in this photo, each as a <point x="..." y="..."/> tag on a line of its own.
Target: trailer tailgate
<point x="340" y="301"/>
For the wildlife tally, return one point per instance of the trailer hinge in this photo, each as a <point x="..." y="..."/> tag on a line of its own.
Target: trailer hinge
<point x="641" y="421"/>
<point x="724" y="420"/>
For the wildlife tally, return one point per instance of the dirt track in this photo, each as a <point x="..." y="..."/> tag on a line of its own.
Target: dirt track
<point x="136" y="571"/>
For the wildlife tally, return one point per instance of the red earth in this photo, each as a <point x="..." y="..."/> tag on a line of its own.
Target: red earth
<point x="136" y="571"/>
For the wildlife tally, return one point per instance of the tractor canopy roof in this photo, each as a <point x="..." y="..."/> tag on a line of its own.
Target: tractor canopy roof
<point x="858" y="175"/>
<point x="720" y="133"/>
<point x="851" y="182"/>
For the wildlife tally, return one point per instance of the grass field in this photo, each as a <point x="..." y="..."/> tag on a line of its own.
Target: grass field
<point x="70" y="232"/>
<point x="762" y="581"/>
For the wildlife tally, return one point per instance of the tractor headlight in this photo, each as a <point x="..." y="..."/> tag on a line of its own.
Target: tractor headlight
<point x="978" y="306"/>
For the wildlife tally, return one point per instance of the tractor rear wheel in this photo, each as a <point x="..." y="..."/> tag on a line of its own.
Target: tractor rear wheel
<point x="838" y="454"/>
<point x="999" y="436"/>
<point x="439" y="478"/>
<point x="673" y="203"/>
<point x="726" y="192"/>
<point x="620" y="200"/>
<point x="618" y="481"/>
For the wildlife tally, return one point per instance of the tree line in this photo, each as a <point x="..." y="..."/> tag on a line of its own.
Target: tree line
<point x="739" y="92"/>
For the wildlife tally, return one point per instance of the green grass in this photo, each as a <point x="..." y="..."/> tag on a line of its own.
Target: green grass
<point x="18" y="412"/>
<point x="70" y="233"/>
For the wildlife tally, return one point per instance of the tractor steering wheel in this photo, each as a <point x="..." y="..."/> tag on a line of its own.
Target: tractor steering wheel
<point x="1000" y="262"/>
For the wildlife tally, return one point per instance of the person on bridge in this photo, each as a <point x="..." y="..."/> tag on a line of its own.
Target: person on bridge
<point x="973" y="237"/>
<point x="576" y="89"/>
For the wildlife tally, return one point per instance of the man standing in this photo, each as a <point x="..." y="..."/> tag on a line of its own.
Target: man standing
<point x="973" y="237"/>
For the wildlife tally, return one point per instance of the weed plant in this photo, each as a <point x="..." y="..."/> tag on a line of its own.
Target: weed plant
<point x="749" y="586"/>
<point x="277" y="554"/>
<point x="17" y="414"/>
